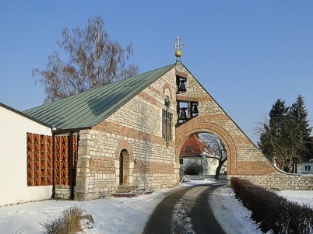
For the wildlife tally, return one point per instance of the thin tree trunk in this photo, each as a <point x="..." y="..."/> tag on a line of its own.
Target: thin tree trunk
<point x="218" y="169"/>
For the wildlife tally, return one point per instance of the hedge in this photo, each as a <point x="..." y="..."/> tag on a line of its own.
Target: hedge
<point x="271" y="211"/>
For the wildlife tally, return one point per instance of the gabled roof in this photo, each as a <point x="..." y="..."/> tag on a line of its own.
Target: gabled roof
<point x="89" y="108"/>
<point x="195" y="147"/>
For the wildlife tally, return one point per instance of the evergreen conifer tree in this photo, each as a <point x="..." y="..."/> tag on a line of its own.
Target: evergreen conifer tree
<point x="284" y="138"/>
<point x="274" y="131"/>
<point x="299" y="115"/>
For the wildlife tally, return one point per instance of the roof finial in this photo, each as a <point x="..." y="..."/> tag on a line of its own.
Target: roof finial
<point x="177" y="47"/>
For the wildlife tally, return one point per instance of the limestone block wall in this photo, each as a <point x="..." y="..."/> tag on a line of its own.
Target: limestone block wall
<point x="282" y="181"/>
<point x="136" y="128"/>
<point x="244" y="158"/>
<point x="96" y="165"/>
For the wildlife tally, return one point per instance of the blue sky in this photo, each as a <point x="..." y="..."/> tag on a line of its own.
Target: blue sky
<point x="247" y="54"/>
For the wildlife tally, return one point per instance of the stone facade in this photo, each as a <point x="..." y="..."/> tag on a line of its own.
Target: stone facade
<point x="282" y="181"/>
<point x="134" y="132"/>
<point x="128" y="147"/>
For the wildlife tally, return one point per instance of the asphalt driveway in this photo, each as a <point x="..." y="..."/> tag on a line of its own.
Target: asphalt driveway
<point x="185" y="210"/>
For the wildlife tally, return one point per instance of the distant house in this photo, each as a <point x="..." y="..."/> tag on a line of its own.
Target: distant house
<point x="305" y="167"/>
<point x="195" y="151"/>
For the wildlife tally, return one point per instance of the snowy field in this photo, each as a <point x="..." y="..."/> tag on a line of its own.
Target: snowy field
<point x="129" y="215"/>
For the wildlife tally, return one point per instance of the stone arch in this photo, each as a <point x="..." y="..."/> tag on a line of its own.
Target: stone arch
<point x="124" y="152"/>
<point x="167" y="87"/>
<point x="124" y="145"/>
<point x="184" y="131"/>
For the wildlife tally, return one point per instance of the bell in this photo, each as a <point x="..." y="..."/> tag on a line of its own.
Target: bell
<point x="195" y="109"/>
<point x="181" y="87"/>
<point x="182" y="114"/>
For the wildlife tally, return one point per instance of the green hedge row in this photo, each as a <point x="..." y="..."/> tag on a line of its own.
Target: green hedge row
<point x="273" y="212"/>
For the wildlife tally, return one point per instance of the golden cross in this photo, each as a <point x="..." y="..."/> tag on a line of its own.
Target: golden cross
<point x="178" y="44"/>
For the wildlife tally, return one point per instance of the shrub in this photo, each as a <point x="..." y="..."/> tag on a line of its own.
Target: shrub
<point x="68" y="223"/>
<point x="192" y="168"/>
<point x="271" y="211"/>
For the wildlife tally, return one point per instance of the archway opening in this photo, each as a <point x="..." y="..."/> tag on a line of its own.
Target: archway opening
<point x="203" y="155"/>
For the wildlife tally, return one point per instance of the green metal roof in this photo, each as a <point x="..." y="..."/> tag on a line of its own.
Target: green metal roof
<point x="89" y="108"/>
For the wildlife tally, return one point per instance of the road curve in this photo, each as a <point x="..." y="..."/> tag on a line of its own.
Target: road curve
<point x="185" y="210"/>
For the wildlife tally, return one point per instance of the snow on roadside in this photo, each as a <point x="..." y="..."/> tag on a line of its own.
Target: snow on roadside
<point x="111" y="215"/>
<point x="129" y="215"/>
<point x="235" y="218"/>
<point x="228" y="211"/>
<point x="125" y="215"/>
<point x="231" y="215"/>
<point x="301" y="197"/>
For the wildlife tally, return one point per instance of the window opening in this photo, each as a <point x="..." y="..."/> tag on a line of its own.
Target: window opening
<point x="181" y="84"/>
<point x="188" y="148"/>
<point x="167" y="118"/>
<point x="186" y="111"/>
<point x="307" y="168"/>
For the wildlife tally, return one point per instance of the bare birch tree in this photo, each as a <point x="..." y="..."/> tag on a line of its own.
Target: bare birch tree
<point x="93" y="60"/>
<point x="219" y="151"/>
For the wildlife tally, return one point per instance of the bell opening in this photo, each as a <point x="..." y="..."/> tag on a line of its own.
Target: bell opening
<point x="183" y="114"/>
<point x="195" y="109"/>
<point x="182" y="86"/>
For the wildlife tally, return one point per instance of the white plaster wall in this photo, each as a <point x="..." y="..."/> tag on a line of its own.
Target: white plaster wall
<point x="213" y="164"/>
<point x="13" y="158"/>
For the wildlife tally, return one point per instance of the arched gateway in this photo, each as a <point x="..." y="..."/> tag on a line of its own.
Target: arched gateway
<point x="193" y="126"/>
<point x="199" y="112"/>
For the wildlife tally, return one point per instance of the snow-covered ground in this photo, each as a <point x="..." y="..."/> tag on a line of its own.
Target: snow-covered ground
<point x="129" y="215"/>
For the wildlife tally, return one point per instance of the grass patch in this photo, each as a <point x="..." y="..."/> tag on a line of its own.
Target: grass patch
<point x="68" y="223"/>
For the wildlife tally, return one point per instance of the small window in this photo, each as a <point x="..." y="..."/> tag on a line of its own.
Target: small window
<point x="188" y="148"/>
<point x="307" y="168"/>
<point x="167" y="119"/>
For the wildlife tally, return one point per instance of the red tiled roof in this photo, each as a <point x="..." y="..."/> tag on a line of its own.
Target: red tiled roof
<point x="194" y="146"/>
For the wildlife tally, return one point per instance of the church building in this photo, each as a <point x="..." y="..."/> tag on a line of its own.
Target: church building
<point x="130" y="133"/>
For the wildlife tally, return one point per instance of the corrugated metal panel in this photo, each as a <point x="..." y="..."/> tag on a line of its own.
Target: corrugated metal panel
<point x="91" y="107"/>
